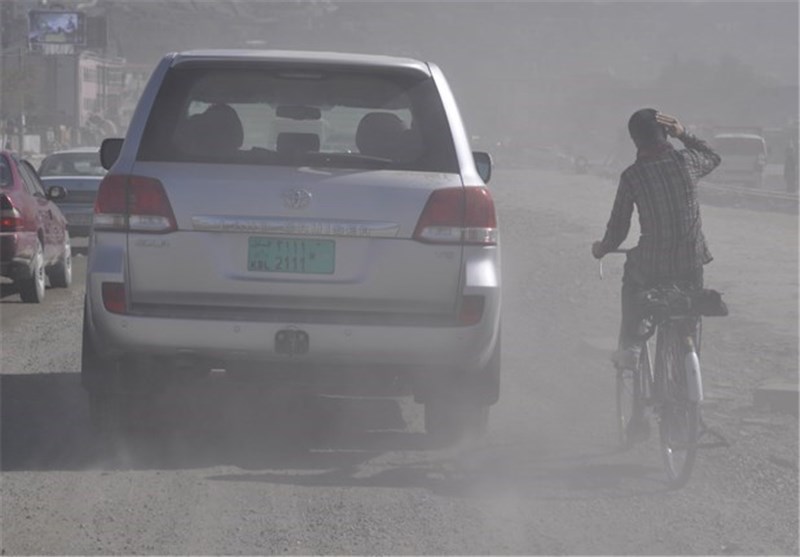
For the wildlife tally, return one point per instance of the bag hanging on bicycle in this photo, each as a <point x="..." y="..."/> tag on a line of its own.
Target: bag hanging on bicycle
<point x="671" y="301"/>
<point x="709" y="303"/>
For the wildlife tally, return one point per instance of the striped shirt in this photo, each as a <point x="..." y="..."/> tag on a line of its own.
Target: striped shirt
<point x="663" y="187"/>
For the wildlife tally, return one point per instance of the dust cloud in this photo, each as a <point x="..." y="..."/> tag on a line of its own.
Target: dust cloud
<point x="533" y="79"/>
<point x="539" y="84"/>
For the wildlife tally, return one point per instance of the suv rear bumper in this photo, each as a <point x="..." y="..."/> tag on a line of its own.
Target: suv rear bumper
<point x="249" y="336"/>
<point x="242" y="342"/>
<point x="225" y="341"/>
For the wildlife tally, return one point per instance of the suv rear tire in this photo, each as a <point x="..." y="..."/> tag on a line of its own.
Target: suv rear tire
<point x="462" y="409"/>
<point x="106" y="410"/>
<point x="449" y="419"/>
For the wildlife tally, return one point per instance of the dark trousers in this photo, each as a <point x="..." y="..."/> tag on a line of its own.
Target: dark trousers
<point x="633" y="285"/>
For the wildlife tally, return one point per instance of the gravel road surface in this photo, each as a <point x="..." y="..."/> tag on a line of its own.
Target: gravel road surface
<point x="231" y="468"/>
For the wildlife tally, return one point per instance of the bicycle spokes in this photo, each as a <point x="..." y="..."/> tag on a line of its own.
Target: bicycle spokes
<point x="679" y="416"/>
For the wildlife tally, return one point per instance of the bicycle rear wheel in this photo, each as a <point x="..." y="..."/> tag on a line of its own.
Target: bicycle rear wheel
<point x="679" y="418"/>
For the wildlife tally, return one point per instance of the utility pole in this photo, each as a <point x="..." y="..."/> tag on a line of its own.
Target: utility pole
<point x="5" y="21"/>
<point x="21" y="90"/>
<point x="12" y="83"/>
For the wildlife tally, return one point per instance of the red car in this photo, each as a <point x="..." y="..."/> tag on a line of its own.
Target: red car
<point x="34" y="242"/>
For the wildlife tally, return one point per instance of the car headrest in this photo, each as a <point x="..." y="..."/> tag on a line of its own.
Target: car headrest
<point x="222" y="124"/>
<point x="380" y="134"/>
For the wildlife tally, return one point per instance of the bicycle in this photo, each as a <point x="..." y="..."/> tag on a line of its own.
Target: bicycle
<point x="668" y="380"/>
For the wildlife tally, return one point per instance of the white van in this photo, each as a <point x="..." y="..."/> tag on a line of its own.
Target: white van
<point x="744" y="156"/>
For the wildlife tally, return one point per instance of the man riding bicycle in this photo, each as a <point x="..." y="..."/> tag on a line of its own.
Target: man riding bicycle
<point x="662" y="184"/>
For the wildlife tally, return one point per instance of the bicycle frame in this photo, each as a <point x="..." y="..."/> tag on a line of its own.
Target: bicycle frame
<point x="668" y="382"/>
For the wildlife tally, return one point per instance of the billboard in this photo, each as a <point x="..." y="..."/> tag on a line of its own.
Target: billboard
<point x="56" y="28"/>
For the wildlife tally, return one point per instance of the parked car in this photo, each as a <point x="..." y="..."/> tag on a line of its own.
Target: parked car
<point x="319" y="214"/>
<point x="34" y="241"/>
<point x="744" y="157"/>
<point x="79" y="171"/>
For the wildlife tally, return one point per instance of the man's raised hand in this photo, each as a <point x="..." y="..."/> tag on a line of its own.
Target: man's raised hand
<point x="671" y="124"/>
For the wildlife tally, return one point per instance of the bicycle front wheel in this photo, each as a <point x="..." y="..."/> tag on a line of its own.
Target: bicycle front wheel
<point x="633" y="389"/>
<point x="679" y="418"/>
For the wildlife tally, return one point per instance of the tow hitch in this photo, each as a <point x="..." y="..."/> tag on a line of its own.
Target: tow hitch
<point x="291" y="342"/>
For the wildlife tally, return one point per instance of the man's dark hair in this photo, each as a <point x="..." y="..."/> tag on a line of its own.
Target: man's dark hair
<point x="645" y="130"/>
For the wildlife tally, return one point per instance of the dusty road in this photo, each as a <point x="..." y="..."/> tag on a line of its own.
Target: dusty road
<point x="235" y="470"/>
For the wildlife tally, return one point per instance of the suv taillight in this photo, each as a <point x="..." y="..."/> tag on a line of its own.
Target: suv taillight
<point x="133" y="203"/>
<point x="10" y="217"/>
<point x="458" y="216"/>
<point x="114" y="299"/>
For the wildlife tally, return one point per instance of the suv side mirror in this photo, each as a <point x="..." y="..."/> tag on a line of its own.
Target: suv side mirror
<point x="109" y="151"/>
<point x="483" y="163"/>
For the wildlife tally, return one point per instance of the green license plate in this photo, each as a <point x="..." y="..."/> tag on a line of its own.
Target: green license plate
<point x="291" y="255"/>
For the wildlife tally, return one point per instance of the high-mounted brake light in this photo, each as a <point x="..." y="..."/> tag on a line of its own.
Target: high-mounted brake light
<point x="10" y="218"/>
<point x="133" y="203"/>
<point x="458" y="216"/>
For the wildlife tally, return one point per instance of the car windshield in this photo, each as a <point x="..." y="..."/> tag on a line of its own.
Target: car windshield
<point x="72" y="164"/>
<point x="734" y="146"/>
<point x="321" y="118"/>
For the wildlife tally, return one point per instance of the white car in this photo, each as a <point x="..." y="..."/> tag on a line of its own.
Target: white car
<point x="744" y="157"/>
<point x="316" y="213"/>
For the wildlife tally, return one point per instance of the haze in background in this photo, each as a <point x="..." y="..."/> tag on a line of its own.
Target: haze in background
<point x="528" y="74"/>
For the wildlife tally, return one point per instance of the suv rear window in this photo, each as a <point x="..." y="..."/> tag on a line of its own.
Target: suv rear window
<point x="299" y="117"/>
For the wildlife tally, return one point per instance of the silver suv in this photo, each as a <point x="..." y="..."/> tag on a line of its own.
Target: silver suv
<point x="315" y="215"/>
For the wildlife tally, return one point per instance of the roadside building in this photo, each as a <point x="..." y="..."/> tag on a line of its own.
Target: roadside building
<point x="58" y="90"/>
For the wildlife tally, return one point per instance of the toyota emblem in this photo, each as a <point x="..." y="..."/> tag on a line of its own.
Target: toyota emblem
<point x="296" y="199"/>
